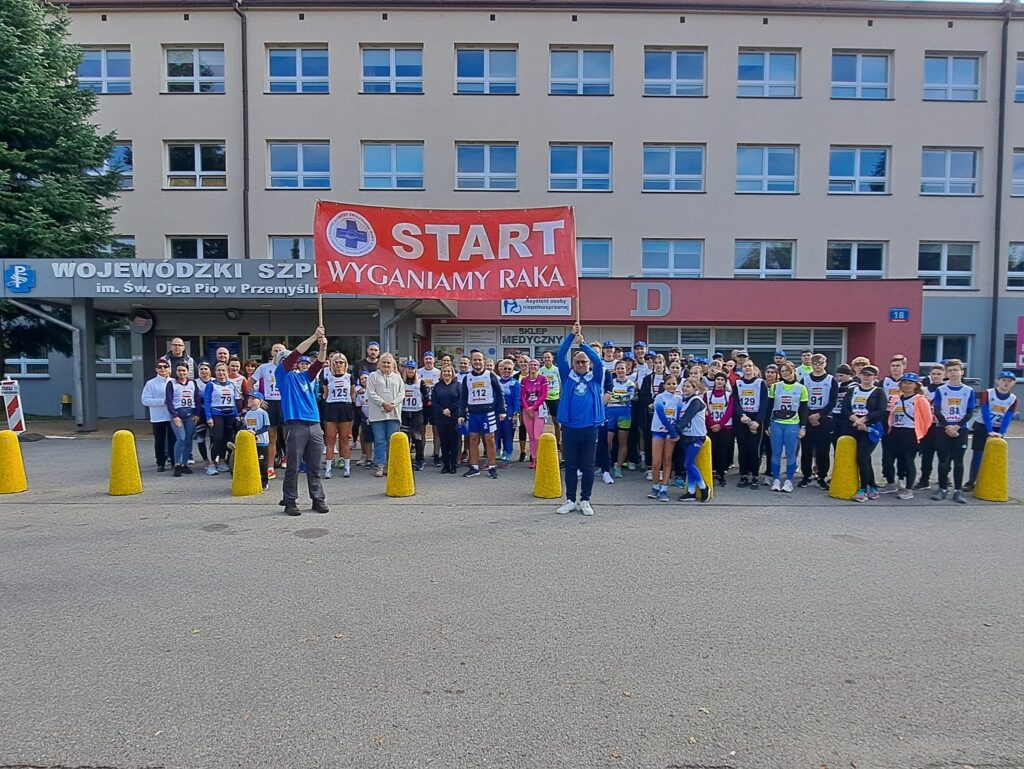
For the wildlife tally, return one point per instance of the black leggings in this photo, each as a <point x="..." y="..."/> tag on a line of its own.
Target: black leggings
<point x="449" y="437"/>
<point x="814" y="449"/>
<point x="748" y="445"/>
<point x="722" y="448"/>
<point x="951" y="451"/>
<point x="903" y="444"/>
<point x="928" y="450"/>
<point x="865" y="447"/>
<point x="221" y="432"/>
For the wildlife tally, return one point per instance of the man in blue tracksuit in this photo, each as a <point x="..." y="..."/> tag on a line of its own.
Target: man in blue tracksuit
<point x="581" y="413"/>
<point x="296" y="378"/>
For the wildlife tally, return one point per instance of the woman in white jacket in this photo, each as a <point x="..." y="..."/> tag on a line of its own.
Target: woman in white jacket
<point x="384" y="393"/>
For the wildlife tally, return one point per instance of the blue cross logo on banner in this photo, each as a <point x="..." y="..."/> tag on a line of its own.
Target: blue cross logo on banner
<point x="19" y="278"/>
<point x="351" y="234"/>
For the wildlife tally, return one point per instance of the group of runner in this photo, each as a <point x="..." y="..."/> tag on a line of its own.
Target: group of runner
<point x="640" y="409"/>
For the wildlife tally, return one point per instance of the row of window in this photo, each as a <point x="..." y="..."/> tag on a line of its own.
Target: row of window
<point x="113" y="357"/>
<point x="571" y="167"/>
<point x="573" y="71"/>
<point x="939" y="264"/>
<point x="113" y="360"/>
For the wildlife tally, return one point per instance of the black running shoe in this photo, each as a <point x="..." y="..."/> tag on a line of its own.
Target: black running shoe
<point x="823" y="484"/>
<point x="472" y="472"/>
<point x="292" y="509"/>
<point x="319" y="506"/>
<point x="744" y="482"/>
<point x="703" y="495"/>
<point x="804" y="483"/>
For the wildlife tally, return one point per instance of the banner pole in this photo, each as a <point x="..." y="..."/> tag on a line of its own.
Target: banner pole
<point x="320" y="308"/>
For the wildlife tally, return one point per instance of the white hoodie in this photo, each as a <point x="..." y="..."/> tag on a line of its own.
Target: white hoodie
<point x="154" y="395"/>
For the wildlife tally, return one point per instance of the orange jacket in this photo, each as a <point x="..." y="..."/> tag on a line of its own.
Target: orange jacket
<point x="923" y="416"/>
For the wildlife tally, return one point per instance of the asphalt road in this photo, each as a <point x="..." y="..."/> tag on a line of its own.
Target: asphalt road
<point x="469" y="626"/>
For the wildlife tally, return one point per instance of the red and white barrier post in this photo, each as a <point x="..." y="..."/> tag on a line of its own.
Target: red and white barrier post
<point x="12" y="405"/>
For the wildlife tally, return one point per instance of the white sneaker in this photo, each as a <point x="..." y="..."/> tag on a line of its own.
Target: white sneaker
<point x="585" y="507"/>
<point x="788" y="487"/>
<point x="649" y="475"/>
<point x="328" y="470"/>
<point x="607" y="477"/>
<point x="568" y="507"/>
<point x="776" y="485"/>
<point x="347" y="473"/>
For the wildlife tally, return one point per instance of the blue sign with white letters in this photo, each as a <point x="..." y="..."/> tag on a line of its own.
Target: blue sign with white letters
<point x="899" y="314"/>
<point x="19" y="278"/>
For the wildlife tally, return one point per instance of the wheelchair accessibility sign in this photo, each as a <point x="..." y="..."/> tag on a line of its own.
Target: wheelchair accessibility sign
<point x="521" y="307"/>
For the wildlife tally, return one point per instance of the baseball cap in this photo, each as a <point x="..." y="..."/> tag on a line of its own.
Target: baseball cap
<point x="410" y="363"/>
<point x="699" y="359"/>
<point x="374" y="344"/>
<point x="869" y="369"/>
<point x="844" y="369"/>
<point x="305" y="359"/>
<point x="639" y="343"/>
<point x="257" y="394"/>
<point x="608" y="344"/>
<point x="718" y="356"/>
<point x="1006" y="375"/>
<point x="781" y="352"/>
<point x="628" y="356"/>
<point x="742" y="354"/>
<point x="650" y="354"/>
<point x="910" y="376"/>
<point x="429" y="354"/>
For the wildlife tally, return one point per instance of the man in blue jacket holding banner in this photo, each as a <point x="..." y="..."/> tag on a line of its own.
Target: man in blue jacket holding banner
<point x="581" y="413"/>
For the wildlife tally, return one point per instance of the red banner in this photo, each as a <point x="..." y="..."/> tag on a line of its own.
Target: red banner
<point x="437" y="254"/>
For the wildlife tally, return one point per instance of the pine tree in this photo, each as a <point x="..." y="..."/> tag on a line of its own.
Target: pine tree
<point x="50" y="205"/>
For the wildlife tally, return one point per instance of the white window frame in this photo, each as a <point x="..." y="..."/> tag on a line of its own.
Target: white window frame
<point x="674" y="83"/>
<point x="948" y="181"/>
<point x="580" y="81"/>
<point x="393" y="80"/>
<point x="488" y="177"/>
<point x="1017" y="174"/>
<point x="22" y="363"/>
<point x="857" y="180"/>
<point x="581" y="244"/>
<point x="1018" y="91"/>
<point x="104" y="81"/>
<point x="943" y="274"/>
<point x="1011" y="274"/>
<point x="201" y="180"/>
<point x="671" y="272"/>
<point x="127" y="179"/>
<point x="393" y="175"/>
<point x="299" y="80"/>
<point x="305" y="247"/>
<point x="948" y="88"/>
<point x="487" y="81"/>
<point x="123" y="240"/>
<point x="106" y="367"/>
<point x="854" y="273"/>
<point x="197" y="80"/>
<point x="764" y="272"/>
<point x="200" y="246"/>
<point x="580" y="177"/>
<point x="672" y="177"/>
<point x="1011" y="364"/>
<point x="763" y="177"/>
<point x="766" y="85"/>
<point x="300" y="175"/>
<point x="858" y="84"/>
<point x="940" y="344"/>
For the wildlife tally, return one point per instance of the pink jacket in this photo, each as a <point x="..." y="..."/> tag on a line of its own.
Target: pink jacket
<point x="923" y="416"/>
<point x="534" y="391"/>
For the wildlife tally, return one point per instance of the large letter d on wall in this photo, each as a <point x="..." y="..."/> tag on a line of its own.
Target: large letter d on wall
<point x="644" y="309"/>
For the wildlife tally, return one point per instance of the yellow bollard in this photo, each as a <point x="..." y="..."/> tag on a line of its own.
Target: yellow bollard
<point x="547" y="479"/>
<point x="245" y="478"/>
<point x="400" y="478"/>
<point x="125" y="477"/>
<point x="12" y="467"/>
<point x="845" y="476"/>
<point x="993" y="484"/>
<point x="704" y="465"/>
